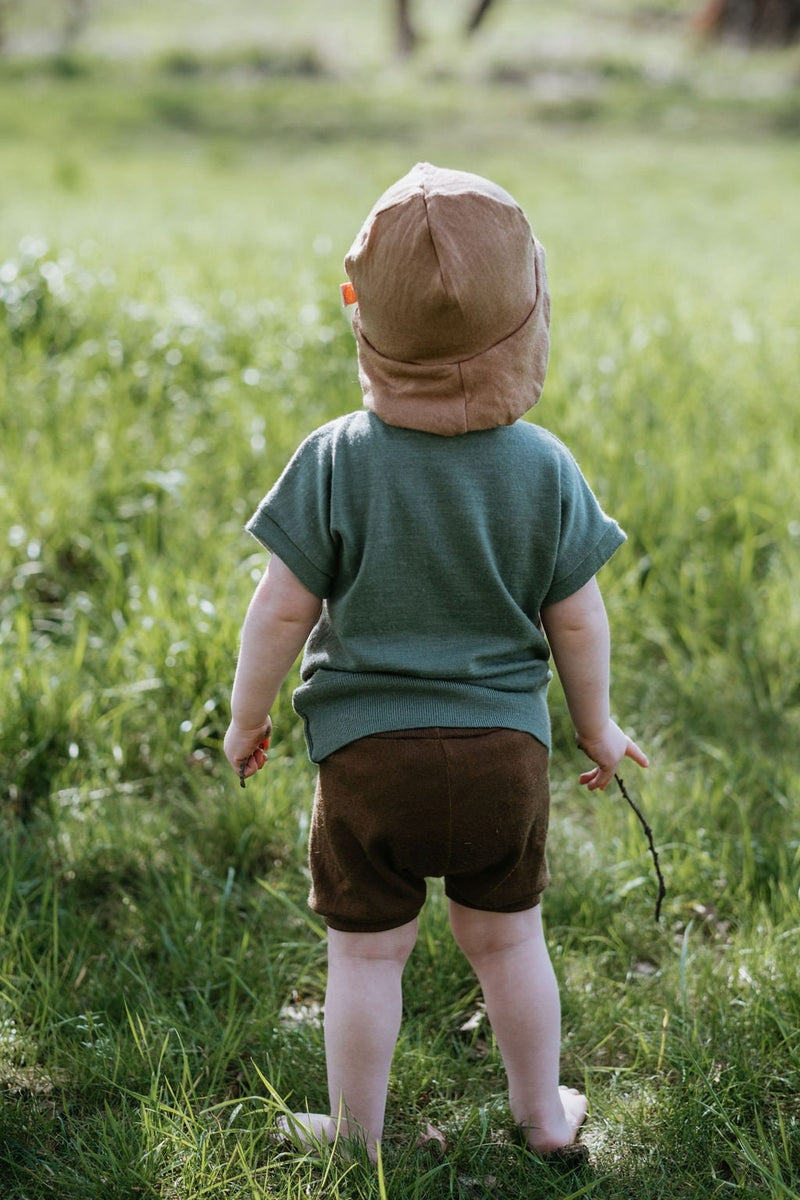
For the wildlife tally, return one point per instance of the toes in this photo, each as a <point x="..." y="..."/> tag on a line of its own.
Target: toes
<point x="567" y="1156"/>
<point x="305" y="1130"/>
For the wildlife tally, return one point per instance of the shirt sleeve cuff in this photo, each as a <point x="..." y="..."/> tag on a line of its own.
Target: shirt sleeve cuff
<point x="587" y="568"/>
<point x="264" y="529"/>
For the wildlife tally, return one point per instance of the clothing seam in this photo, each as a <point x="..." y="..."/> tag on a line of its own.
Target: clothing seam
<point x="424" y="196"/>
<point x="447" y="362"/>
<point x="252" y="528"/>
<point x="464" y="399"/>
<point x="596" y="554"/>
<point x="446" y="761"/>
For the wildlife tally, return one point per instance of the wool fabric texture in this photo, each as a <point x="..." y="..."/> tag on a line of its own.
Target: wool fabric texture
<point x="469" y="805"/>
<point x="453" y="312"/>
<point x="434" y="557"/>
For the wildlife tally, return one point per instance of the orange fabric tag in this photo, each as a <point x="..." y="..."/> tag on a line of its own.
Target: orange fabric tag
<point x="348" y="293"/>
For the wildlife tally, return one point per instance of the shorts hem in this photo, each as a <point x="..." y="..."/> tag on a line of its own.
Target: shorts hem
<point x="342" y="925"/>
<point x="519" y="906"/>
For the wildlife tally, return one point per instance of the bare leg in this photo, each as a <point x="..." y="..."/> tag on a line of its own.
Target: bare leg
<point x="363" y="1008"/>
<point x="509" y="955"/>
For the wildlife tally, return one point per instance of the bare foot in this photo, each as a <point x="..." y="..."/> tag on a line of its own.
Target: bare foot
<point x="562" y="1134"/>
<point x="312" y="1132"/>
<point x="576" y="1107"/>
<point x="432" y="1137"/>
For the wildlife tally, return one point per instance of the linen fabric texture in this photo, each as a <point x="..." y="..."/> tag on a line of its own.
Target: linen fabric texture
<point x="453" y="308"/>
<point x="434" y="557"/>
<point x="468" y="805"/>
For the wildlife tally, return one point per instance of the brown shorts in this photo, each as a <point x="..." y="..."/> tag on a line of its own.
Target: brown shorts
<point x="468" y="804"/>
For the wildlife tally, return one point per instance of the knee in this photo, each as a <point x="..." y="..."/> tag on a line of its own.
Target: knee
<point x="480" y="934"/>
<point x="388" y="946"/>
<point x="400" y="942"/>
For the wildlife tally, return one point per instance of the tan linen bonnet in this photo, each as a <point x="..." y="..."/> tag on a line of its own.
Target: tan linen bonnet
<point x="453" y="309"/>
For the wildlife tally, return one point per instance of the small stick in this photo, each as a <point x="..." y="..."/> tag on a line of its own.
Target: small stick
<point x="243" y="764"/>
<point x="662" y="887"/>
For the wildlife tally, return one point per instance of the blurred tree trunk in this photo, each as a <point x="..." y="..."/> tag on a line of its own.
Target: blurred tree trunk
<point x="5" y="9"/>
<point x="755" y="22"/>
<point x="406" y="37"/>
<point x="75" y="21"/>
<point x="480" y="11"/>
<point x="76" y="16"/>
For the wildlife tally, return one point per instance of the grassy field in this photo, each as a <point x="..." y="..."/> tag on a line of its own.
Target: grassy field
<point x="172" y="224"/>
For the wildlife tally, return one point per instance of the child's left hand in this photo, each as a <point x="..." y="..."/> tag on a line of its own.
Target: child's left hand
<point x="246" y="749"/>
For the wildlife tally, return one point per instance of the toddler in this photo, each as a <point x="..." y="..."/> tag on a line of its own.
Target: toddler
<point x="431" y="551"/>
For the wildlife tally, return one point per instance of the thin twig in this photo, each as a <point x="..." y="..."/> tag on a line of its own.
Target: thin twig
<point x="662" y="887"/>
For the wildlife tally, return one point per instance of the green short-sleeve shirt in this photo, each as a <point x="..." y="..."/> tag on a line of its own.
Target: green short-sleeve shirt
<point x="434" y="557"/>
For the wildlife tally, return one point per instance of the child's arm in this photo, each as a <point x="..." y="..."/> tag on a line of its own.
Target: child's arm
<point x="279" y="619"/>
<point x="577" y="630"/>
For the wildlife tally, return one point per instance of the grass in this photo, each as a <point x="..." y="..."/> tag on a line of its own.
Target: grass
<point x="170" y="330"/>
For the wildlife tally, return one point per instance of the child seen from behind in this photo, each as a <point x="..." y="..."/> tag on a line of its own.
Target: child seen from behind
<point x="430" y="551"/>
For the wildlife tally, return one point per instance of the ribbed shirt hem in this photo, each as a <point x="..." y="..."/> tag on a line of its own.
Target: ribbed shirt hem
<point x="343" y="707"/>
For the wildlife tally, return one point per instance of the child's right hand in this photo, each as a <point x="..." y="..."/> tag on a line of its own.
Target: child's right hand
<point x="608" y="751"/>
<point x="246" y="749"/>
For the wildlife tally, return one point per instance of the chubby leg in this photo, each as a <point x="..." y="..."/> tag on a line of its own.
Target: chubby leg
<point x="363" y="1008"/>
<point x="509" y="955"/>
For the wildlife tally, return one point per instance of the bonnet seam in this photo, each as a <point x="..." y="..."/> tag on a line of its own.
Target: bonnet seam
<point x="424" y="196"/>
<point x="462" y="381"/>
